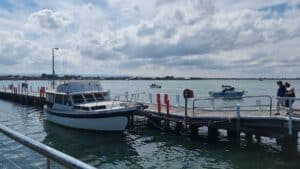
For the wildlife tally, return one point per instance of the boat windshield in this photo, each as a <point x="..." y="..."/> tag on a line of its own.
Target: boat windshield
<point x="89" y="98"/>
<point x="78" y="99"/>
<point x="99" y="96"/>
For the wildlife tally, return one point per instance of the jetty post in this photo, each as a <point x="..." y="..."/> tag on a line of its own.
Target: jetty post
<point x="289" y="141"/>
<point x="53" y="71"/>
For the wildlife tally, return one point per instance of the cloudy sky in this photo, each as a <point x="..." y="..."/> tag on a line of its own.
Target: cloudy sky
<point x="220" y="38"/>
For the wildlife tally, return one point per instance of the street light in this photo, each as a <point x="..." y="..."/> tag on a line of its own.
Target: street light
<point x="53" y="71"/>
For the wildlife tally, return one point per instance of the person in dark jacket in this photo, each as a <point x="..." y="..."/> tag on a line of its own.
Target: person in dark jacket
<point x="281" y="92"/>
<point x="281" y="89"/>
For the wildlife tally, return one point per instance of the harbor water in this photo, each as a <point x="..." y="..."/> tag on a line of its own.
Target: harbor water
<point x="142" y="146"/>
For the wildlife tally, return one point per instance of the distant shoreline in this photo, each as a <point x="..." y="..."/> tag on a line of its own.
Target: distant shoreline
<point x="78" y="77"/>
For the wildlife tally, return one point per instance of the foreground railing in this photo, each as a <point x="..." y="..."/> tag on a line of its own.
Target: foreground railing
<point x="46" y="151"/>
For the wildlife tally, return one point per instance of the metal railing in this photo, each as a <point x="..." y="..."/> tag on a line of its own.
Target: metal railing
<point x="46" y="151"/>
<point x="134" y="97"/>
<point x="150" y="98"/>
<point x="287" y="103"/>
<point x="212" y="99"/>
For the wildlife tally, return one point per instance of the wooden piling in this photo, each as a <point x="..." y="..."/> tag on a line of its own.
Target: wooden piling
<point x="289" y="143"/>
<point x="178" y="127"/>
<point x="213" y="134"/>
<point x="233" y="135"/>
<point x="193" y="130"/>
<point x="249" y="137"/>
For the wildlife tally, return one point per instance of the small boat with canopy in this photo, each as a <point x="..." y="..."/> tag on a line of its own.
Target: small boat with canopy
<point x="227" y="91"/>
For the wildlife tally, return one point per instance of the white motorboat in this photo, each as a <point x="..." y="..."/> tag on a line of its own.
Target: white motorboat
<point x="86" y="105"/>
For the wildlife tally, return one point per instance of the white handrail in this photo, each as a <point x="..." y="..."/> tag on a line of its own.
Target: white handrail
<point x="46" y="151"/>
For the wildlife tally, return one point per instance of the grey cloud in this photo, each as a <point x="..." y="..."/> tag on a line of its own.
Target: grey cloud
<point x="49" y="19"/>
<point x="98" y="53"/>
<point x="200" y="62"/>
<point x="173" y="35"/>
<point x="164" y="2"/>
<point x="96" y="46"/>
<point x="200" y="42"/>
<point x="13" y="52"/>
<point x="207" y="36"/>
<point x="179" y="15"/>
<point x="146" y="29"/>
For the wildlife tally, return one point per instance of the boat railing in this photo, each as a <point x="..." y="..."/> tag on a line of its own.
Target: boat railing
<point x="260" y="103"/>
<point x="51" y="154"/>
<point x="149" y="98"/>
<point x="129" y="99"/>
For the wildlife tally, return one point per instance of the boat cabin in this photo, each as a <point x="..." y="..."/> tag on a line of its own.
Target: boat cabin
<point x="76" y="94"/>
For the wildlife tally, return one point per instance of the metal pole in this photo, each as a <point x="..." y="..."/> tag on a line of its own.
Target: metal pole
<point x="126" y="96"/>
<point x="290" y="111"/>
<point x="53" y="72"/>
<point x="177" y="100"/>
<point x="213" y="103"/>
<point x="150" y="98"/>
<point x="48" y="163"/>
<point x="185" y="111"/>
<point x="238" y="116"/>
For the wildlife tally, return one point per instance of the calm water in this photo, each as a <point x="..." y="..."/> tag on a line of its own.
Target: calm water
<point x="142" y="147"/>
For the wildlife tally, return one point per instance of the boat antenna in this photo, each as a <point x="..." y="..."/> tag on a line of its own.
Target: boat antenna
<point x="64" y="63"/>
<point x="53" y="71"/>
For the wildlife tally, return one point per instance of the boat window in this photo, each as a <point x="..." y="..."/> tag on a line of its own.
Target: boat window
<point x="78" y="99"/>
<point x="81" y="108"/>
<point x="67" y="100"/>
<point x="59" y="99"/>
<point x="99" y="96"/>
<point x="50" y="97"/>
<point x="89" y="97"/>
<point x="98" y="107"/>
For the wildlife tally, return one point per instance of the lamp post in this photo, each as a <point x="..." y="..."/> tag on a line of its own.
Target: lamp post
<point x="53" y="71"/>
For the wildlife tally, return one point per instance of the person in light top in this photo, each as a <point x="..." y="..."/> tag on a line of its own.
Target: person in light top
<point x="290" y="92"/>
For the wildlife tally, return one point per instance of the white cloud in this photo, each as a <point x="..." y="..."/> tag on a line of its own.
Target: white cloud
<point x="49" y="20"/>
<point x="137" y="37"/>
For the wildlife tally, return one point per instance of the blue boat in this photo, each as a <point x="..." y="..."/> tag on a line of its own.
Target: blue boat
<point x="155" y="86"/>
<point x="227" y="92"/>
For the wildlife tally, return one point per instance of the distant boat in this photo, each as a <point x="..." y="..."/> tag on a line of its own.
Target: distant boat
<point x="154" y="86"/>
<point x="228" y="91"/>
<point x="260" y="79"/>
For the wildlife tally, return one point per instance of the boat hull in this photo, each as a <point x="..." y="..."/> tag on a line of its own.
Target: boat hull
<point x="102" y="121"/>
<point x="227" y="94"/>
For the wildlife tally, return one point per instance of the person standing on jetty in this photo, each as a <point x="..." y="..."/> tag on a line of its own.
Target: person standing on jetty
<point x="290" y="92"/>
<point x="281" y="92"/>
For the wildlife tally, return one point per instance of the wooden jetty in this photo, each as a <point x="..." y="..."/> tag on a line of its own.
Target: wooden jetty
<point x="253" y="123"/>
<point x="28" y="98"/>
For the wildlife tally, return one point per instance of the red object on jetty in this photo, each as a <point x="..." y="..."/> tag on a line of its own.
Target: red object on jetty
<point x="188" y="93"/>
<point x="42" y="92"/>
<point x="158" y="102"/>
<point x="167" y="103"/>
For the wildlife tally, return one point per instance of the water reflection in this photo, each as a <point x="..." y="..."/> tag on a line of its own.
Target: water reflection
<point x="90" y="146"/>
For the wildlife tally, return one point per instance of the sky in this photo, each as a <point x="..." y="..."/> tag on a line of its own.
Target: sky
<point x="187" y="38"/>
